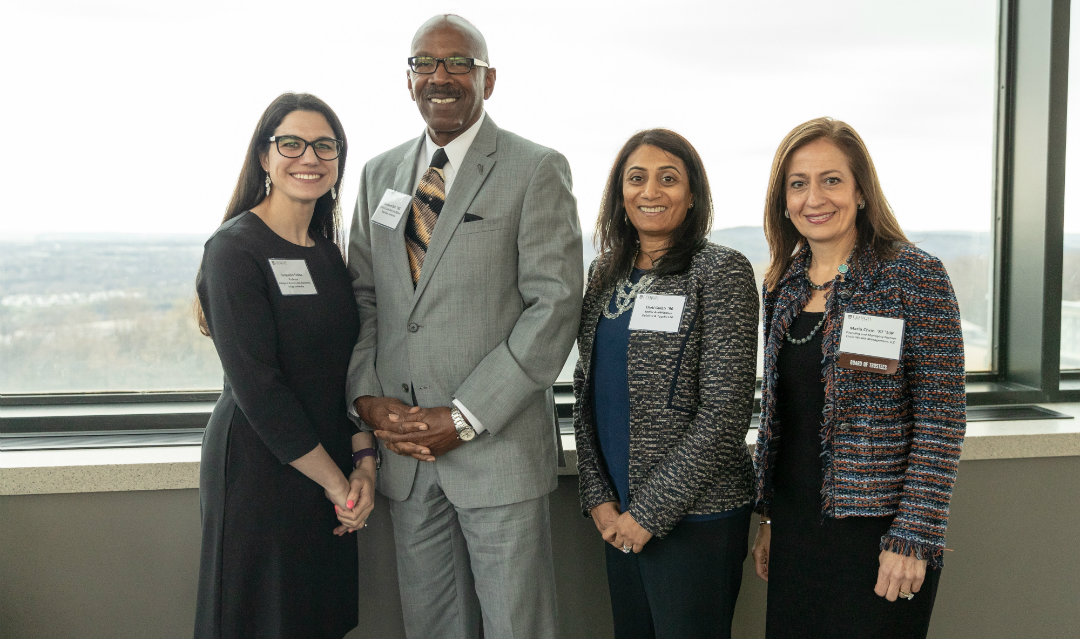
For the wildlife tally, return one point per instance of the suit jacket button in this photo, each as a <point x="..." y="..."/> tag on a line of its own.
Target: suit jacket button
<point x="404" y="388"/>
<point x="413" y="327"/>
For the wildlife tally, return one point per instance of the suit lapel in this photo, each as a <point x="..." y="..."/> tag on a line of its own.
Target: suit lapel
<point x="403" y="183"/>
<point x="470" y="177"/>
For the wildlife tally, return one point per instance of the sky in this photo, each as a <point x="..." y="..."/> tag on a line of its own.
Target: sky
<point x="134" y="116"/>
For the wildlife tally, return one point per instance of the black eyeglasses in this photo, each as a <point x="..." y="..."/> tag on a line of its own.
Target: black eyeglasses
<point x="457" y="65"/>
<point x="291" y="146"/>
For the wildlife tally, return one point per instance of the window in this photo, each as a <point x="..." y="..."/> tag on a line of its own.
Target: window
<point x="1070" y="271"/>
<point x="103" y="233"/>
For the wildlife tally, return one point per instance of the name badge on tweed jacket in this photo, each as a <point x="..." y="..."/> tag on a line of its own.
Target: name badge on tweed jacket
<point x="657" y="313"/>
<point x="871" y="343"/>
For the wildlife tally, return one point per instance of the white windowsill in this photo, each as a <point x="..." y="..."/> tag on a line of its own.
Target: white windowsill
<point x="177" y="467"/>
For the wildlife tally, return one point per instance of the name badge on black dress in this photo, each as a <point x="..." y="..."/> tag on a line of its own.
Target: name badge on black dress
<point x="293" y="277"/>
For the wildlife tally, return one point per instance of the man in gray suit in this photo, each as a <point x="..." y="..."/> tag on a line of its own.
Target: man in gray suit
<point x="465" y="255"/>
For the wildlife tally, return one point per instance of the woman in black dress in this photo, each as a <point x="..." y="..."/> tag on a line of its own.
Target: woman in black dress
<point x="862" y="401"/>
<point x="284" y="474"/>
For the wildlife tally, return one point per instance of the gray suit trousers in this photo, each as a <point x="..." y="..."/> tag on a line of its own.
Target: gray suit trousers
<point x="458" y="565"/>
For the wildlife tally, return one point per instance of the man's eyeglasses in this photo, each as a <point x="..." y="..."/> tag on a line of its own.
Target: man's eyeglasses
<point x="291" y="146"/>
<point x="457" y="65"/>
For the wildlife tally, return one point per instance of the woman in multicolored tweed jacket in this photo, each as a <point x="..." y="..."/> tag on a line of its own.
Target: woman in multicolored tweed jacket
<point x="858" y="446"/>
<point x="663" y="395"/>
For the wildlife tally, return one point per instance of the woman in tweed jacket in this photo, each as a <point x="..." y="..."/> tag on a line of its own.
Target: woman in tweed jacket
<point x="855" y="467"/>
<point x="661" y="413"/>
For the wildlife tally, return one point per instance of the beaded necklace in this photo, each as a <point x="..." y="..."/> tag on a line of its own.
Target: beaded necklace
<point x="810" y="336"/>
<point x="625" y="292"/>
<point x="842" y="270"/>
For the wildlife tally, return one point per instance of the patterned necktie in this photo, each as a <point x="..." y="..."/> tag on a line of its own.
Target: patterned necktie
<point x="427" y="203"/>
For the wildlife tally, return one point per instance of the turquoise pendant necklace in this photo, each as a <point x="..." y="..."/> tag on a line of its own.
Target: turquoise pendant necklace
<point x="842" y="270"/>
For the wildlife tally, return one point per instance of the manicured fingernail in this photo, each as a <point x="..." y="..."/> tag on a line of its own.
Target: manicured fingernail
<point x="349" y="504"/>
<point x="336" y="509"/>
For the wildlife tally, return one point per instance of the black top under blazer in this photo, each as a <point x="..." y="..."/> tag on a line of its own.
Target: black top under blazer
<point x="691" y="396"/>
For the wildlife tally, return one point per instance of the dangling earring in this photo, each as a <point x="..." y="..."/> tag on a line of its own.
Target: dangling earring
<point x="333" y="193"/>
<point x="862" y="204"/>
<point x="268" y="183"/>
<point x="787" y="214"/>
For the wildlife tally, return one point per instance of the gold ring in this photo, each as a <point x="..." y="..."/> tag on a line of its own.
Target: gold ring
<point x="907" y="595"/>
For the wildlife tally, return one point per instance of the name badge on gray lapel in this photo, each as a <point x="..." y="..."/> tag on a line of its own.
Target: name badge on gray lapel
<point x="391" y="208"/>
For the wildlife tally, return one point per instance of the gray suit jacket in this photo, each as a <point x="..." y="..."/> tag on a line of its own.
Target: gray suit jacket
<point x="492" y="317"/>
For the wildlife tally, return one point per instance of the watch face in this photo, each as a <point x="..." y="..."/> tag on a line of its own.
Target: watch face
<point x="466" y="434"/>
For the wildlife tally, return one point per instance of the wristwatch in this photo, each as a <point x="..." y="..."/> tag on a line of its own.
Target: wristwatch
<point x="465" y="431"/>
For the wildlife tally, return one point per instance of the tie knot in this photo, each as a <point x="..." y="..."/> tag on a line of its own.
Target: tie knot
<point x="439" y="159"/>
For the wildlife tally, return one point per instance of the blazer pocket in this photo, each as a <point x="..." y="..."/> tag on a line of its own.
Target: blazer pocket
<point x="481" y="225"/>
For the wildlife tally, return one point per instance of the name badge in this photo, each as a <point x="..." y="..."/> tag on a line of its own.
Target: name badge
<point x="391" y="207"/>
<point x="871" y="343"/>
<point x="293" y="277"/>
<point x="657" y="313"/>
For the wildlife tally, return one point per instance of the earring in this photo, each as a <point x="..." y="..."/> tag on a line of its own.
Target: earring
<point x="787" y="214"/>
<point x="268" y="183"/>
<point x="333" y="193"/>
<point x="862" y="204"/>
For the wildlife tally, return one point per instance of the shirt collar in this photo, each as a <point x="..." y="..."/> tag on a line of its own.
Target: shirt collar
<point x="456" y="148"/>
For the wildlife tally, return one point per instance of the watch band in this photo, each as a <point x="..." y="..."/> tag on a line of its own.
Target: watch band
<point x="465" y="431"/>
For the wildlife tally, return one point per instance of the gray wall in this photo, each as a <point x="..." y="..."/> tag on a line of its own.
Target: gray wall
<point x="124" y="564"/>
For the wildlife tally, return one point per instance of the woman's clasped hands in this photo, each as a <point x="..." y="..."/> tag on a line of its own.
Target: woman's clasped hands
<point x="619" y="529"/>
<point x="356" y="506"/>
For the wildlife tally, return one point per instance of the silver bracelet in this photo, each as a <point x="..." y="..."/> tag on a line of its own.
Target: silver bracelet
<point x="765" y="522"/>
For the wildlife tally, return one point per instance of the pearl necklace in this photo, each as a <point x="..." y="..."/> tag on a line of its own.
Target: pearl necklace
<point x="625" y="293"/>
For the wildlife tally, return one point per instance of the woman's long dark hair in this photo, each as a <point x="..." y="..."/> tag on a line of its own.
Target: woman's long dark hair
<point x="617" y="238"/>
<point x="251" y="186"/>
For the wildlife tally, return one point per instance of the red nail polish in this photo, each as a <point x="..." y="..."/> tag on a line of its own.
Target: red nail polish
<point x="350" y="504"/>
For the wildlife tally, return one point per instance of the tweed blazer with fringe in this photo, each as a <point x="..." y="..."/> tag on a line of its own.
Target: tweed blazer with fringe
<point x="691" y="397"/>
<point x="890" y="443"/>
